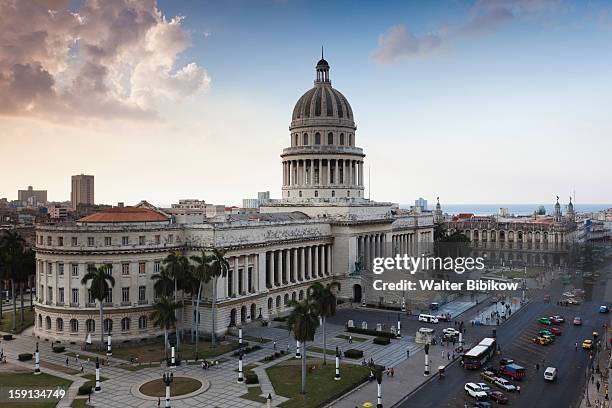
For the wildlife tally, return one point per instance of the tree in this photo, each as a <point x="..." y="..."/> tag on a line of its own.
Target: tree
<point x="12" y="253"/>
<point x="177" y="266"/>
<point x="325" y="299"/>
<point x="101" y="281"/>
<point x="164" y="317"/>
<point x="163" y="283"/>
<point x="303" y="322"/>
<point x="218" y="267"/>
<point x="202" y="273"/>
<point x="541" y="210"/>
<point x="26" y="268"/>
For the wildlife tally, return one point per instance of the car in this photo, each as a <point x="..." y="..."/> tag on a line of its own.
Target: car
<point x="546" y="298"/>
<point x="482" y="404"/>
<point x="504" y="384"/>
<point x="544" y="320"/>
<point x="604" y="309"/>
<point x="574" y="301"/>
<point x="550" y="338"/>
<point x="577" y="321"/>
<point x="488" y="376"/>
<point x="506" y="361"/>
<point x="545" y="332"/>
<point x="554" y="320"/>
<point x="498" y="397"/>
<point x="540" y="340"/>
<point x="550" y="374"/>
<point x="559" y="318"/>
<point x="444" y="317"/>
<point x="556" y="331"/>
<point x="449" y="331"/>
<point x="474" y="391"/>
<point x="484" y="386"/>
<point x="587" y="344"/>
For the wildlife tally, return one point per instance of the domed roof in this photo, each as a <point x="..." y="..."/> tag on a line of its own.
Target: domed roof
<point x="322" y="63"/>
<point x="320" y="102"/>
<point x="125" y="214"/>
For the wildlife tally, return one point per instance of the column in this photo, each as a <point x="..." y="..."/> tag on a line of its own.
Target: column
<point x="336" y="173"/>
<point x="316" y="261"/>
<point x="302" y="264"/>
<point x="285" y="253"/>
<point x="320" y="180"/>
<point x="328" y="258"/>
<point x="328" y="172"/>
<point x="273" y="276"/>
<point x="294" y="268"/>
<point x="309" y="256"/>
<point x="303" y="172"/>
<point x="290" y="172"/>
<point x="235" y="277"/>
<point x="323" y="260"/>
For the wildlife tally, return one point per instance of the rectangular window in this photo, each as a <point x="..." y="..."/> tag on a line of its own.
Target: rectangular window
<point x="60" y="269"/>
<point x="107" y="241"/>
<point x="157" y="239"/>
<point x="75" y="241"/>
<point x="142" y="267"/>
<point x="60" y="295"/>
<point x="156" y="266"/>
<point x="75" y="269"/>
<point x="90" y="298"/>
<point x="49" y="267"/>
<point x="109" y="296"/>
<point x="109" y="269"/>
<point x="170" y="238"/>
<point x="125" y="295"/>
<point x="49" y="241"/>
<point x="142" y="293"/>
<point x="90" y="241"/>
<point x="50" y="293"/>
<point x="125" y="240"/>
<point x="60" y="241"/>
<point x="141" y="240"/>
<point x="40" y="240"/>
<point x="75" y="296"/>
<point x="125" y="269"/>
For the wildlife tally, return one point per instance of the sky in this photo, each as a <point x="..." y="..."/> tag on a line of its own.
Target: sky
<point x="472" y="101"/>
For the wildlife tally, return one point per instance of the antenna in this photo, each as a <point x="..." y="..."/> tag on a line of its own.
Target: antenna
<point x="322" y="52"/>
<point x="369" y="181"/>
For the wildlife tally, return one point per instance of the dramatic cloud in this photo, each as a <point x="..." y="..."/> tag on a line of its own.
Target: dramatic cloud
<point x="107" y="59"/>
<point x="486" y="16"/>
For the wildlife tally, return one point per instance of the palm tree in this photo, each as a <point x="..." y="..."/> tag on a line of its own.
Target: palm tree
<point x="26" y="267"/>
<point x="325" y="298"/>
<point x="101" y="283"/>
<point x="164" y="317"/>
<point x="177" y="266"/>
<point x="201" y="273"/>
<point x="163" y="283"/>
<point x="12" y="245"/>
<point x="218" y="267"/>
<point x="303" y="322"/>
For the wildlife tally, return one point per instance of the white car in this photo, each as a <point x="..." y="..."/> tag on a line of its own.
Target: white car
<point x="484" y="386"/>
<point x="504" y="384"/>
<point x="474" y="391"/>
<point x="449" y="331"/>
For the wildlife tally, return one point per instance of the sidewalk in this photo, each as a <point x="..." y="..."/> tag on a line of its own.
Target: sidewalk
<point x="597" y="398"/>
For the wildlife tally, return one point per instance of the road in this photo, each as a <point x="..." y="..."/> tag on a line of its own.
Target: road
<point x="514" y="338"/>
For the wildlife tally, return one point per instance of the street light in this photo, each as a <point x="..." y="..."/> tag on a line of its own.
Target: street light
<point x="399" y="327"/>
<point x="426" y="373"/>
<point x="37" y="361"/>
<point x="337" y="376"/>
<point x="379" y="389"/>
<point x="98" y="388"/>
<point x="240" y="374"/>
<point x="109" y="351"/>
<point x="168" y="378"/>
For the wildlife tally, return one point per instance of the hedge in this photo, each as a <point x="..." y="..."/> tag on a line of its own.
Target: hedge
<point x="59" y="349"/>
<point x="177" y="361"/>
<point x="371" y="332"/>
<point x="7" y="337"/>
<point x="251" y="378"/>
<point x="85" y="389"/>
<point x="24" y="356"/>
<point x="383" y="341"/>
<point x="247" y="350"/>
<point x="280" y="319"/>
<point x="353" y="353"/>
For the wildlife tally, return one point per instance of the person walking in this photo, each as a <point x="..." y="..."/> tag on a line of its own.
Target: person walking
<point x="66" y="360"/>
<point x="448" y="354"/>
<point x="597" y="385"/>
<point x="350" y="339"/>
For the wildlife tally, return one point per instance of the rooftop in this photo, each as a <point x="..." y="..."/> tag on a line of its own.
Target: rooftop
<point x="125" y="214"/>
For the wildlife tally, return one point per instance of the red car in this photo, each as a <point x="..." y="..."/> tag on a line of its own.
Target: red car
<point x="555" y="320"/>
<point x="498" y="397"/>
<point x="556" y="331"/>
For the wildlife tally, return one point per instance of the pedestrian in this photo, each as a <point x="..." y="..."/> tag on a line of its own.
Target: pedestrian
<point x="77" y="357"/>
<point x="576" y="345"/>
<point x="66" y="360"/>
<point x="448" y="355"/>
<point x="393" y="373"/>
<point x="407" y="353"/>
<point x="350" y="339"/>
<point x="274" y="345"/>
<point x="158" y="401"/>
<point x="443" y="354"/>
<point x="82" y="368"/>
<point x="537" y="367"/>
<point x="518" y="389"/>
<point x="598" y="385"/>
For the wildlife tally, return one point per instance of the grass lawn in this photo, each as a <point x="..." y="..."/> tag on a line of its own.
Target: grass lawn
<point x="180" y="386"/>
<point x="136" y="367"/>
<point x="80" y="403"/>
<point x="329" y="352"/>
<point x="57" y="367"/>
<point x="254" y="394"/>
<point x="29" y="380"/>
<point x="355" y="338"/>
<point x="7" y="321"/>
<point x="247" y="367"/>
<point x="320" y="386"/>
<point x="92" y="379"/>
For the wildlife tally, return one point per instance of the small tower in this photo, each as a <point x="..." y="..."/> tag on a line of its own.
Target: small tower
<point x="438" y="217"/>
<point x="570" y="215"/>
<point x="557" y="214"/>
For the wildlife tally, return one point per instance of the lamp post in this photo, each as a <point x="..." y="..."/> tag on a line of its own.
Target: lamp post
<point x="297" y="349"/>
<point x="399" y="327"/>
<point x="337" y="376"/>
<point x="240" y="337"/>
<point x="168" y="378"/>
<point x="426" y="373"/>
<point x="109" y="350"/>
<point x="37" y="361"/>
<point x="379" y="389"/>
<point x="172" y="358"/>
<point x="240" y="374"/>
<point x="269" y="401"/>
<point x="98" y="388"/>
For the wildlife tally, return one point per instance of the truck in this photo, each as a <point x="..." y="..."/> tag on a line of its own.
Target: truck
<point x="513" y="371"/>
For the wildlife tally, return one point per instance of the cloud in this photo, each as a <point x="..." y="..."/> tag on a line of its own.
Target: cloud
<point x="485" y="17"/>
<point x="106" y="59"/>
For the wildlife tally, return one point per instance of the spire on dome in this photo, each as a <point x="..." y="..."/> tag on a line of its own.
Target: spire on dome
<point x="322" y="70"/>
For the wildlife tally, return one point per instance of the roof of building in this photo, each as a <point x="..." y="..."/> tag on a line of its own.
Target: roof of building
<point x="125" y="214"/>
<point x="271" y="217"/>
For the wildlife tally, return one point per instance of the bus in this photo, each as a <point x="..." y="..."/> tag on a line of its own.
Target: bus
<point x="479" y="354"/>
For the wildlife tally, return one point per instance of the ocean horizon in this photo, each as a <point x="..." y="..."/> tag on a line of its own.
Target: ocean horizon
<point x="515" y="209"/>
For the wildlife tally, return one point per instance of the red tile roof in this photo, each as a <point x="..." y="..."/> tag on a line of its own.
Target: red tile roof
<point x="125" y="214"/>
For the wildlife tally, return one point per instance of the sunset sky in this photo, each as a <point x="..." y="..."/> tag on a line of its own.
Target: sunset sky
<point x="475" y="102"/>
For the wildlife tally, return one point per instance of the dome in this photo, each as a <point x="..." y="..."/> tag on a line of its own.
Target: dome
<point x="322" y="63"/>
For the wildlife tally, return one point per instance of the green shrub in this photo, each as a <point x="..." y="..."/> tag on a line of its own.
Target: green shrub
<point x="280" y="319"/>
<point x="24" y="357"/>
<point x="85" y="389"/>
<point x="371" y="332"/>
<point x="7" y="337"/>
<point x="251" y="378"/>
<point x="383" y="341"/>
<point x="353" y="353"/>
<point x="59" y="349"/>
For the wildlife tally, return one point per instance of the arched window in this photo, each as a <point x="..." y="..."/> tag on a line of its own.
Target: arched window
<point x="125" y="324"/>
<point x="48" y="323"/>
<point x="317" y="138"/>
<point x="286" y="299"/>
<point x="300" y="193"/>
<point x="278" y="300"/>
<point x="74" y="325"/>
<point x="91" y="325"/>
<point x="301" y="295"/>
<point x="350" y="139"/>
<point x="142" y="322"/>
<point x="270" y="301"/>
<point x="333" y="193"/>
<point x="59" y="324"/>
<point x="293" y="295"/>
<point x="40" y="321"/>
<point x="108" y="325"/>
<point x="348" y="193"/>
<point x="288" y="193"/>
<point x="305" y="139"/>
<point x="330" y="138"/>
<point x="295" y="139"/>
<point x="341" y="139"/>
<point x="316" y="193"/>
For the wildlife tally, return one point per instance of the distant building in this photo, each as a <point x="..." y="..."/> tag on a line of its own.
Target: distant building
<point x="263" y="198"/>
<point x="32" y="197"/>
<point x="82" y="190"/>
<point x="503" y="212"/>
<point x="250" y="203"/>
<point x="421" y="202"/>
<point x="58" y="212"/>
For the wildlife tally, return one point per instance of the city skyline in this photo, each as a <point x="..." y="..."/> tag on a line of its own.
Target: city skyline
<point x="501" y="93"/>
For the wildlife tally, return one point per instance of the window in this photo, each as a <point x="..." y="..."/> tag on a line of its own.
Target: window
<point x="107" y="241"/>
<point x="330" y="138"/>
<point x="125" y="295"/>
<point x="108" y="298"/>
<point x="295" y="139"/>
<point x="125" y="324"/>
<point x="142" y="267"/>
<point x="142" y="293"/>
<point x="108" y="325"/>
<point x="305" y="139"/>
<point x="270" y="303"/>
<point x="50" y="293"/>
<point x="108" y="269"/>
<point x="48" y="323"/>
<point x="91" y="325"/>
<point x="156" y="267"/>
<point x="75" y="269"/>
<point x="74" y="325"/>
<point x="125" y="269"/>
<point x="60" y="295"/>
<point x="141" y="240"/>
<point x="333" y="193"/>
<point x="40" y="240"/>
<point x="90" y="298"/>
<point x="49" y="241"/>
<point x="49" y="267"/>
<point x="157" y="239"/>
<point x="341" y="139"/>
<point x="90" y="241"/>
<point x="75" y="241"/>
<point x="170" y="238"/>
<point x="317" y="138"/>
<point x="59" y="324"/>
<point x="75" y="296"/>
<point x="60" y="241"/>
<point x="125" y="240"/>
<point x="316" y="193"/>
<point x="142" y="322"/>
<point x="60" y="269"/>
<point x="350" y="139"/>
<point x="300" y="193"/>
<point x="348" y="193"/>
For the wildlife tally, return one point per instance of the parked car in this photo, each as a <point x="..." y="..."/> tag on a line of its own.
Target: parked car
<point x="504" y="384"/>
<point x="474" y="391"/>
<point x="604" y="309"/>
<point x="444" y="317"/>
<point x="513" y="371"/>
<point x="482" y="404"/>
<point x="545" y="332"/>
<point x="550" y="374"/>
<point x="587" y="344"/>
<point x="498" y="397"/>
<point x="488" y="376"/>
<point x="484" y="386"/>
<point x="556" y="331"/>
<point x="544" y="320"/>
<point x="561" y="319"/>
<point x="554" y="320"/>
<point x="540" y="340"/>
<point x="505" y="361"/>
<point x="449" y="331"/>
<point x="577" y="321"/>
